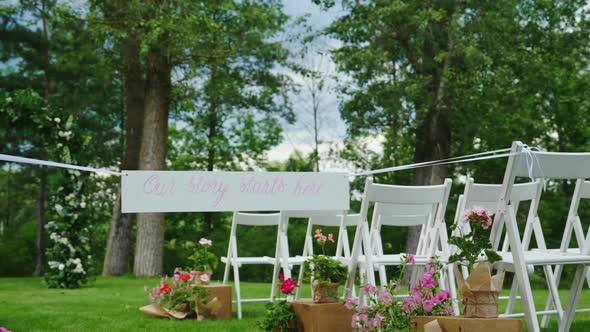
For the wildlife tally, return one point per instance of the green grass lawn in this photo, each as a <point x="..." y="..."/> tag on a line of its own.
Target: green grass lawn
<point x="111" y="304"/>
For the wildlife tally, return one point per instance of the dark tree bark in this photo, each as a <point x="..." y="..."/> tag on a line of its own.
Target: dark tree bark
<point x="118" y="252"/>
<point x="40" y="264"/>
<point x="149" y="249"/>
<point x="211" y="136"/>
<point x="433" y="133"/>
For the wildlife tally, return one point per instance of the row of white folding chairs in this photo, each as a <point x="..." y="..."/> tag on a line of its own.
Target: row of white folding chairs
<point x="516" y="257"/>
<point x="281" y="260"/>
<point x="486" y="195"/>
<point x="400" y="206"/>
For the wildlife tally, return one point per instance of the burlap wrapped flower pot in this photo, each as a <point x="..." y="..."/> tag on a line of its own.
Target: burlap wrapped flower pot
<point x="325" y="292"/>
<point x="480" y="291"/>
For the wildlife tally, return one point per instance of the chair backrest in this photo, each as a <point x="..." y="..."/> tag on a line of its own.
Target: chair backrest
<point x="539" y="165"/>
<point x="408" y="206"/>
<point x="253" y="219"/>
<point x="486" y="196"/>
<point x="333" y="220"/>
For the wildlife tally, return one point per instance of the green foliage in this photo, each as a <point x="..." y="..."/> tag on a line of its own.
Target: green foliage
<point x="203" y="259"/>
<point x="325" y="269"/>
<point x="476" y="242"/>
<point x="279" y="316"/>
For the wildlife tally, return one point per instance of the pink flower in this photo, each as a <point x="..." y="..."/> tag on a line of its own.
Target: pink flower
<point x="427" y="281"/>
<point x="3" y="329"/>
<point x="385" y="296"/>
<point x="415" y="290"/>
<point x="407" y="304"/>
<point x="321" y="238"/>
<point x="368" y="289"/>
<point x="362" y="308"/>
<point x="151" y="297"/>
<point x="443" y="295"/>
<point x="411" y="259"/>
<point x="145" y="289"/>
<point x="204" y="277"/>
<point x="204" y="242"/>
<point x="351" y="302"/>
<point x="355" y="320"/>
<point x="331" y="237"/>
<point x="377" y="320"/>
<point x="449" y="311"/>
<point x="427" y="305"/>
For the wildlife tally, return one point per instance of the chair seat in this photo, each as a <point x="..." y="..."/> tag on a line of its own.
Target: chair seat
<point x="250" y="260"/>
<point x="547" y="257"/>
<point x="394" y="259"/>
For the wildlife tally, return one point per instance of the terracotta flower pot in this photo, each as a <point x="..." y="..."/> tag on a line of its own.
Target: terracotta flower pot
<point x="198" y="280"/>
<point x="325" y="292"/>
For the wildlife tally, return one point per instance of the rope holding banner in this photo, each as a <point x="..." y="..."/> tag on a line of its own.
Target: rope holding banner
<point x="23" y="160"/>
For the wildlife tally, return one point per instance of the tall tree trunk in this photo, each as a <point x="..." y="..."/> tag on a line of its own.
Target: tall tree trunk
<point x="211" y="136"/>
<point x="40" y="262"/>
<point x="149" y="249"/>
<point x="433" y="134"/>
<point x="118" y="252"/>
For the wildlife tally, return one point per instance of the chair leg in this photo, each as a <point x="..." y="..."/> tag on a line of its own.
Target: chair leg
<point x="382" y="276"/>
<point x="570" y="309"/>
<point x="300" y="281"/>
<point x="238" y="292"/>
<point x="549" y="304"/>
<point x="450" y="276"/>
<point x="522" y="274"/>
<point x="512" y="297"/>
<point x="554" y="294"/>
<point x="226" y="272"/>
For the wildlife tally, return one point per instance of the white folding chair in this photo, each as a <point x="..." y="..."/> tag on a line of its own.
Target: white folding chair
<point x="342" y="244"/>
<point x="396" y="215"/>
<point x="486" y="196"/>
<point x="572" y="225"/>
<point x="233" y="259"/>
<point x="531" y="164"/>
<point x="434" y="234"/>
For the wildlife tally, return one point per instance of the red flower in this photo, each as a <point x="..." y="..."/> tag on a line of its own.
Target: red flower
<point x="282" y="277"/>
<point x="278" y="330"/>
<point x="185" y="277"/>
<point x="289" y="323"/>
<point x="288" y="286"/>
<point x="165" y="288"/>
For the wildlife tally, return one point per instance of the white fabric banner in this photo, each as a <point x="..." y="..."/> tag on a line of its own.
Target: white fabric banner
<point x="191" y="191"/>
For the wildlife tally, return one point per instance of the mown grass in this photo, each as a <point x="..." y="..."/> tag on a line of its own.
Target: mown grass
<point x="111" y="304"/>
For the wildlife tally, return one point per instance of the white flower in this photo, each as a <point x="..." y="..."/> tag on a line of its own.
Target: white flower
<point x="59" y="209"/>
<point x="205" y="242"/>
<point x="57" y="120"/>
<point x="54" y="237"/>
<point x="61" y="267"/>
<point x="204" y="278"/>
<point x="79" y="269"/>
<point x="83" y="204"/>
<point x="64" y="240"/>
<point x="53" y="264"/>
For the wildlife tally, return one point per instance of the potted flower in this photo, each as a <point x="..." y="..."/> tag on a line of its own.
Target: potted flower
<point x="383" y="311"/>
<point x="480" y="290"/>
<point x="325" y="272"/>
<point x="177" y="296"/>
<point x="204" y="262"/>
<point x="280" y="316"/>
